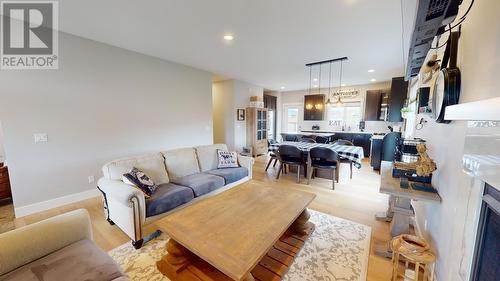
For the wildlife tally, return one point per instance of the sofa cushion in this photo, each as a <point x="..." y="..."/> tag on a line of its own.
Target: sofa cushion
<point x="207" y="156"/>
<point x="152" y="165"/>
<point x="167" y="197"/>
<point x="79" y="261"/>
<point x="200" y="183"/>
<point x="181" y="162"/>
<point x="230" y="175"/>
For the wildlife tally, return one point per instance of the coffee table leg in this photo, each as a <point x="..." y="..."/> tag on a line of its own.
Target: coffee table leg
<point x="299" y="226"/>
<point x="175" y="260"/>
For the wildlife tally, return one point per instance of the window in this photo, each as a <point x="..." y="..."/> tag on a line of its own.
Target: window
<point x="292" y="119"/>
<point x="348" y="116"/>
<point x="270" y="128"/>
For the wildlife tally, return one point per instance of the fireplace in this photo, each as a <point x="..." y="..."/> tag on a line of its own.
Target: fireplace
<point x="486" y="262"/>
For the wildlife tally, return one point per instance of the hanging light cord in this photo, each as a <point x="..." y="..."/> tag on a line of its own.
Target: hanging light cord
<point x="340" y="88"/>
<point x="330" y="81"/>
<point x="319" y="80"/>
<point x="310" y="79"/>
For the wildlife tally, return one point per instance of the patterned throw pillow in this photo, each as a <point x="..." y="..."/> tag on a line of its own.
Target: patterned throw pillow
<point x="139" y="179"/>
<point x="227" y="159"/>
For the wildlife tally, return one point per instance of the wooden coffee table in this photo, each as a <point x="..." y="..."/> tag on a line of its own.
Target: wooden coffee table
<point x="248" y="231"/>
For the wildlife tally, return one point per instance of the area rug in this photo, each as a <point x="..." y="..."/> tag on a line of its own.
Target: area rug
<point x="337" y="250"/>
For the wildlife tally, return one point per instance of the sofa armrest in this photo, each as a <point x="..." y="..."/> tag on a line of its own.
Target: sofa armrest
<point x="246" y="162"/>
<point x="120" y="191"/>
<point x="26" y="244"/>
<point x="124" y="194"/>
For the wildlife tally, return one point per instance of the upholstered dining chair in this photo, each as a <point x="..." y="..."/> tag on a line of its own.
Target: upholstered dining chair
<point x="321" y="139"/>
<point x="289" y="155"/>
<point x="289" y="137"/>
<point x="307" y="139"/>
<point x="342" y="159"/>
<point x="272" y="155"/>
<point x="324" y="158"/>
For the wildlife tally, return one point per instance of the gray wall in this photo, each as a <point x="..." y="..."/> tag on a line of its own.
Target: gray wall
<point x="103" y="103"/>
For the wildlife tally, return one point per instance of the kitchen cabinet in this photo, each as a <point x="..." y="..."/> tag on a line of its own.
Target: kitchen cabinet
<point x="314" y="107"/>
<point x="385" y="105"/>
<point x="399" y="92"/>
<point x="372" y="105"/>
<point x="363" y="140"/>
<point x="376" y="105"/>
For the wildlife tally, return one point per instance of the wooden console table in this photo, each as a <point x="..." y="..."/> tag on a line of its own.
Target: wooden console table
<point x="399" y="212"/>
<point x="4" y="183"/>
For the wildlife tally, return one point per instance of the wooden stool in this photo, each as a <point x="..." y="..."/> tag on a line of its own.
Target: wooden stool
<point x="415" y="253"/>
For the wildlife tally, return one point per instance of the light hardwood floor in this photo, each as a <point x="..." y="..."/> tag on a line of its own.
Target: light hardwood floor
<point x="357" y="200"/>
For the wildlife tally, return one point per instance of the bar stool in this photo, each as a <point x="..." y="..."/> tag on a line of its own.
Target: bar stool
<point x="415" y="253"/>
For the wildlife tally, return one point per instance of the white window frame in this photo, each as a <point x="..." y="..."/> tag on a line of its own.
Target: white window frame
<point x="286" y="106"/>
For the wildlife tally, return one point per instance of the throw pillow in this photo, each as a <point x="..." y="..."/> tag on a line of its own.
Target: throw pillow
<point x="127" y="181"/>
<point x="227" y="159"/>
<point x="140" y="180"/>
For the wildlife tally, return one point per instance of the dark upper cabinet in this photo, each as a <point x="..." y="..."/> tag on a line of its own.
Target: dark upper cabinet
<point x="376" y="105"/>
<point x="372" y="105"/>
<point x="314" y="107"/>
<point x="399" y="92"/>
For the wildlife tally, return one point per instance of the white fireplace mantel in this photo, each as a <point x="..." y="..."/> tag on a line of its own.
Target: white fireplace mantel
<point x="483" y="110"/>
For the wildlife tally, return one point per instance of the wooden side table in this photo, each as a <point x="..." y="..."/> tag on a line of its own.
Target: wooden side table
<point x="4" y="183"/>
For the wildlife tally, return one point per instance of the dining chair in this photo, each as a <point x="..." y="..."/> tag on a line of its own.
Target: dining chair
<point x="291" y="156"/>
<point x="272" y="154"/>
<point x="289" y="137"/>
<point x="324" y="158"/>
<point x="321" y="139"/>
<point x="343" y="159"/>
<point x="307" y="139"/>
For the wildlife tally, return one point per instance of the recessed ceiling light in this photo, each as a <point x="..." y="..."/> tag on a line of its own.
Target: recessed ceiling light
<point x="282" y="87"/>
<point x="371" y="70"/>
<point x="315" y="86"/>
<point x="373" y="80"/>
<point x="343" y="85"/>
<point x="315" y="79"/>
<point x="228" y="37"/>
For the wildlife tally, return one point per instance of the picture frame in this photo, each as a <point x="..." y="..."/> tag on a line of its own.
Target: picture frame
<point x="240" y="114"/>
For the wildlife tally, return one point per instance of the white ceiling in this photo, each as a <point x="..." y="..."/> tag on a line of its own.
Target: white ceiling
<point x="274" y="39"/>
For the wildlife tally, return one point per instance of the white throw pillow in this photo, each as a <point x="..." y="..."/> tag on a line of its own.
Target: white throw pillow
<point x="227" y="159"/>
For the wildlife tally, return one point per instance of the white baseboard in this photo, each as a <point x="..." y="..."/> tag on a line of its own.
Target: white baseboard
<point x="54" y="203"/>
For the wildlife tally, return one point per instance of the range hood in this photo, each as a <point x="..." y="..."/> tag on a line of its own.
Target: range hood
<point x="483" y="110"/>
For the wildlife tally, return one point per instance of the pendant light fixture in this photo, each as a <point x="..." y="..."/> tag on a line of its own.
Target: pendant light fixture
<point x="339" y="101"/>
<point x="329" y="102"/>
<point x="330" y="94"/>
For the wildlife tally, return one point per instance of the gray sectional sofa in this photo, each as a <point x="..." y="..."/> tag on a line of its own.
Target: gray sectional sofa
<point x="184" y="176"/>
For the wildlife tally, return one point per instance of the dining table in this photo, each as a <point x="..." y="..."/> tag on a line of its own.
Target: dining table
<point x="351" y="152"/>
